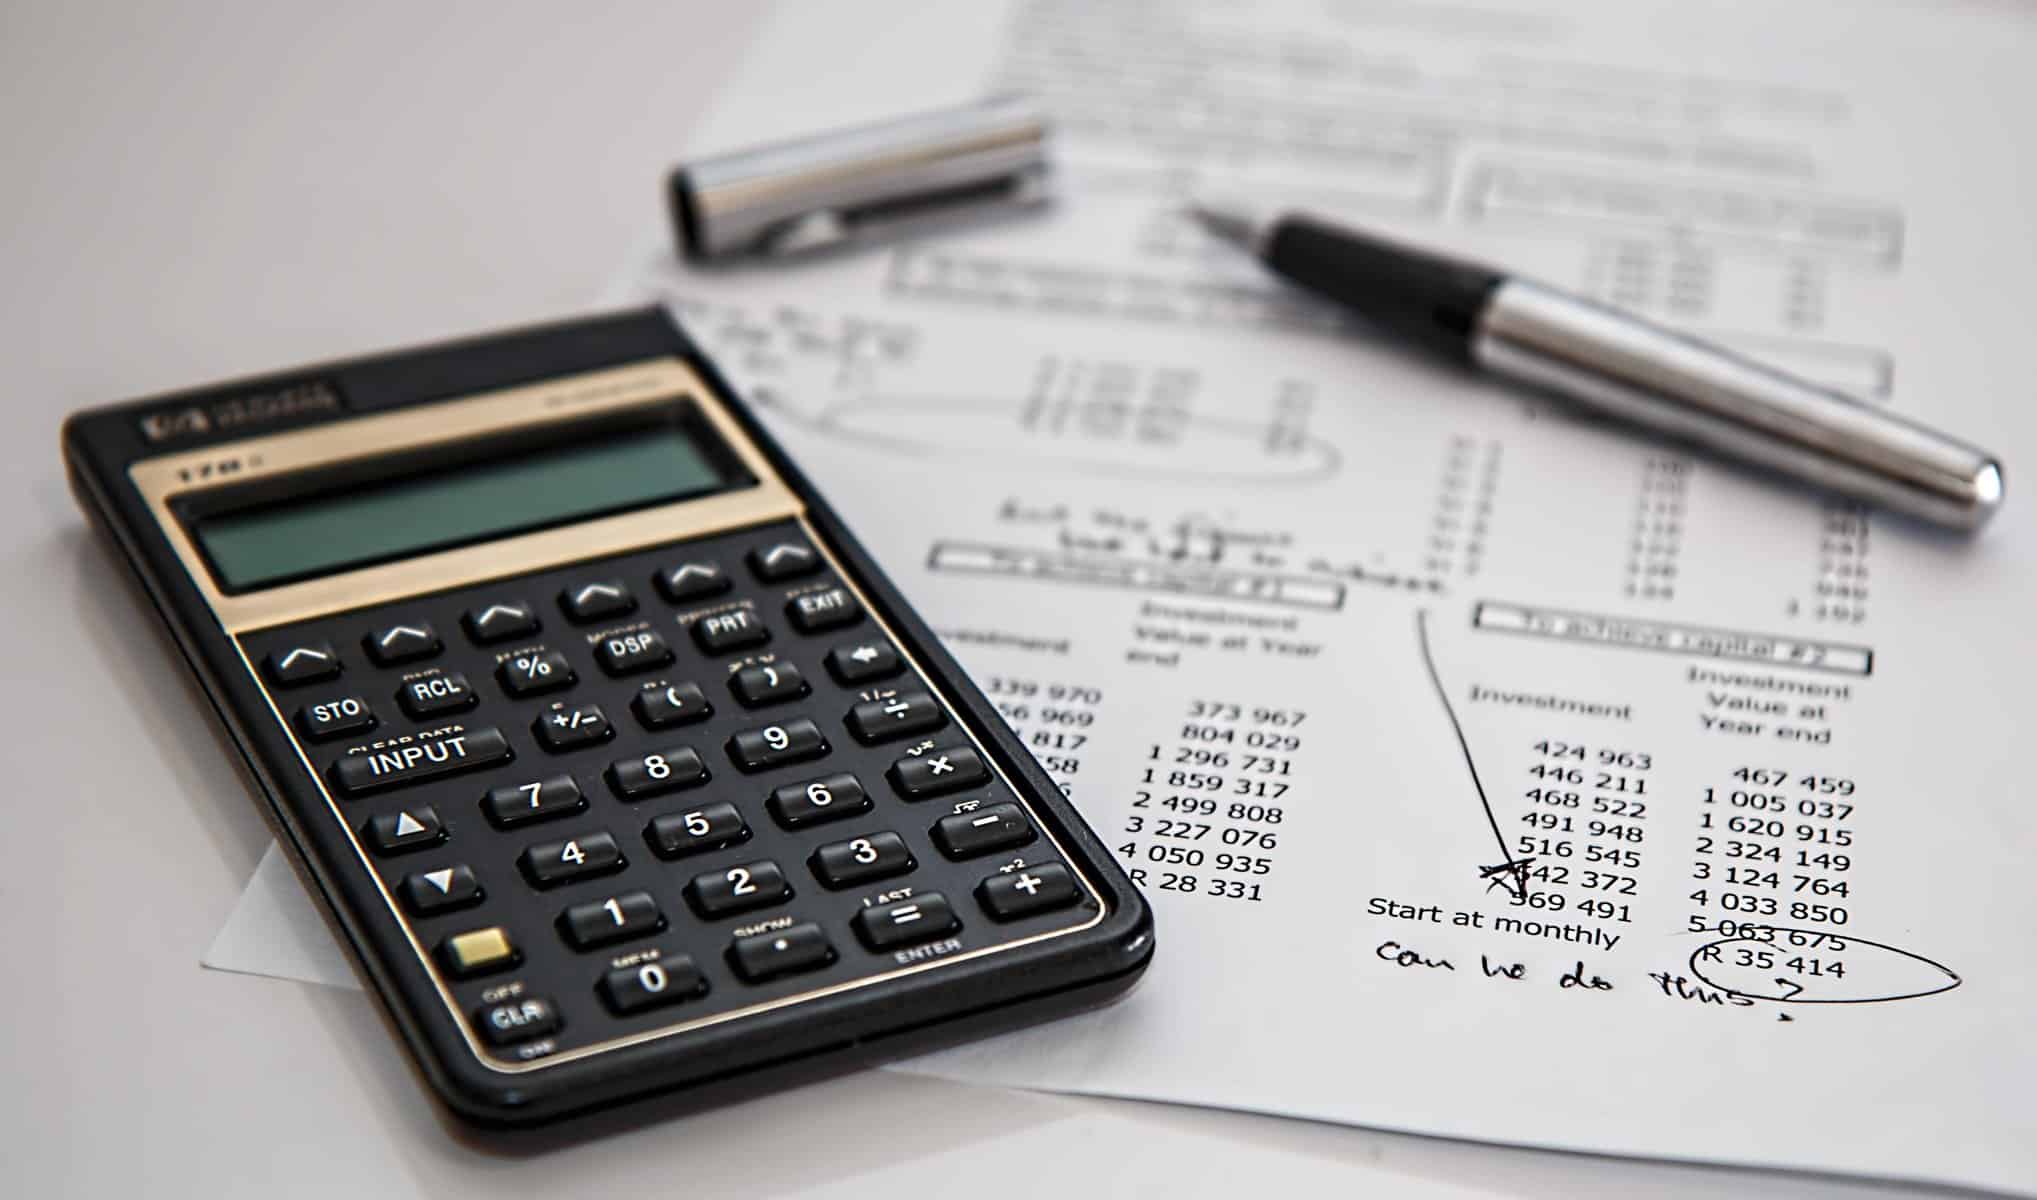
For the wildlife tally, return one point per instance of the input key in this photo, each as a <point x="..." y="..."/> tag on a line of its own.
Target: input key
<point x="400" y="764"/>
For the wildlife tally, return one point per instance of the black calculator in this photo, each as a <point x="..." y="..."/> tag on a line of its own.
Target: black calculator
<point x="618" y="763"/>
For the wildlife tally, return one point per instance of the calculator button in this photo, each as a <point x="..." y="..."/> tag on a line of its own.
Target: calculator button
<point x="737" y="629"/>
<point x="518" y="1020"/>
<point x="768" y="683"/>
<point x="597" y="601"/>
<point x="899" y="716"/>
<point x="814" y="801"/>
<point x="692" y="581"/>
<point x="650" y="985"/>
<point x="500" y="621"/>
<point x="852" y="663"/>
<point x="443" y="890"/>
<point x="616" y="919"/>
<point x="402" y="643"/>
<point x="337" y="717"/>
<point x="535" y="674"/>
<point x="696" y="831"/>
<point x="786" y="560"/>
<point x="549" y="864"/>
<point x="776" y="745"/>
<point x="629" y="653"/>
<point x="674" y="704"/>
<point x="398" y="832"/>
<point x="538" y="800"/>
<point x="1010" y="895"/>
<point x="575" y="728"/>
<point x="763" y="956"/>
<point x="436" y="695"/>
<point x="982" y="830"/>
<point x="920" y="919"/>
<point x="860" y="860"/>
<point x="478" y="951"/>
<point x="738" y="889"/>
<point x="817" y="612"/>
<point x="937" y="772"/>
<point x="656" y="773"/>
<point x="308" y="663"/>
<point x="395" y="766"/>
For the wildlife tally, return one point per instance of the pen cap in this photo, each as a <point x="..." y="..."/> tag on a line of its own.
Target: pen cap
<point x="845" y="186"/>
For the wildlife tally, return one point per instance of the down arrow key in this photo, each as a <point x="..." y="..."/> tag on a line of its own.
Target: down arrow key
<point x="443" y="890"/>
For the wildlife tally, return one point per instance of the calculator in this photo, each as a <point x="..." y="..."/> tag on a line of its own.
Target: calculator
<point x="615" y="760"/>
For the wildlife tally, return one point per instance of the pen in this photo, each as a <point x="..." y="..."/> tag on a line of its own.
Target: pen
<point x="1627" y="368"/>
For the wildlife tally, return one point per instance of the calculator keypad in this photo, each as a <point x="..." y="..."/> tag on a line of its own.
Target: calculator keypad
<point x="705" y="780"/>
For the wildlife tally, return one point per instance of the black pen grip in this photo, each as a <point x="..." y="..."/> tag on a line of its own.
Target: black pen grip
<point x="1410" y="293"/>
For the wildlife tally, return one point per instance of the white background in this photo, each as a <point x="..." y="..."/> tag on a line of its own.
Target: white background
<point x="213" y="190"/>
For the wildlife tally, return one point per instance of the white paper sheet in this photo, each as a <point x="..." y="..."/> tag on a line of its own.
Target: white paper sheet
<point x="1324" y="638"/>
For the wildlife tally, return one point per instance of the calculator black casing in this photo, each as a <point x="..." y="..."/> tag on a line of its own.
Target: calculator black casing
<point x="814" y="1037"/>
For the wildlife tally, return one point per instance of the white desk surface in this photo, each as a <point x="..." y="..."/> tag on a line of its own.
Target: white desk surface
<point x="206" y="190"/>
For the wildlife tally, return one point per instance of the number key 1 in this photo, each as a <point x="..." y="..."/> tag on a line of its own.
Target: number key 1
<point x="632" y="914"/>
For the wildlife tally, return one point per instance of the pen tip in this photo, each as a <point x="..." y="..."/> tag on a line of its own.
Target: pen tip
<point x="1227" y="222"/>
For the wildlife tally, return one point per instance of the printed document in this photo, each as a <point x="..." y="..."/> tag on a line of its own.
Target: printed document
<point x="1494" y="773"/>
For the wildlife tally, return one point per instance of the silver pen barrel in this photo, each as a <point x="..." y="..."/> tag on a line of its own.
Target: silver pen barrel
<point x="1662" y="380"/>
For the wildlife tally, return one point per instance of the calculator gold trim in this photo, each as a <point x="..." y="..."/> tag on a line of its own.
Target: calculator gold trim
<point x="161" y="480"/>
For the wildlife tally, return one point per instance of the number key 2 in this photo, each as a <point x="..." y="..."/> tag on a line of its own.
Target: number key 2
<point x="738" y="889"/>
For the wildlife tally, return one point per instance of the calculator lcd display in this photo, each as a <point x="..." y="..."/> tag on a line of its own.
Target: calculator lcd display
<point x="413" y="514"/>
